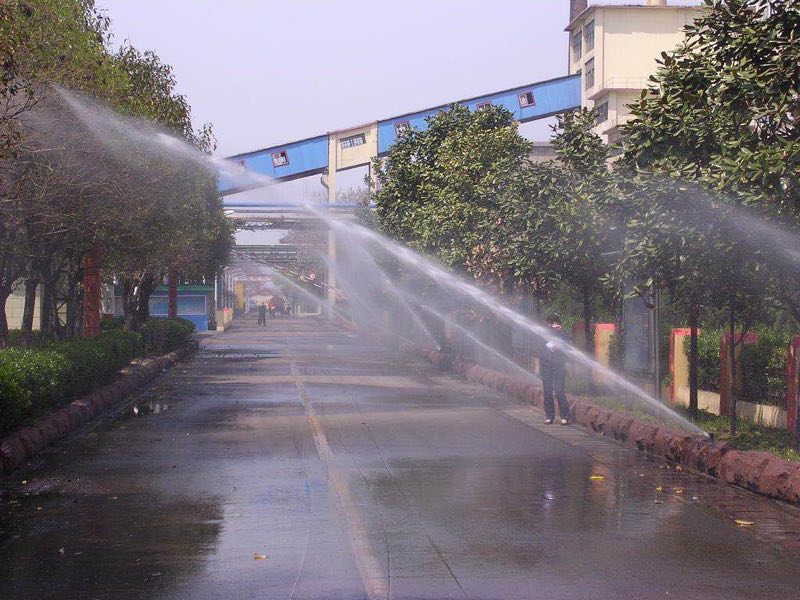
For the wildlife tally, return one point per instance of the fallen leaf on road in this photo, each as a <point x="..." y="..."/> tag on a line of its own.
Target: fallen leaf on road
<point x="743" y="523"/>
<point x="596" y="477"/>
<point x="678" y="468"/>
<point x="257" y="556"/>
<point x="659" y="489"/>
<point x="678" y="491"/>
<point x="658" y="501"/>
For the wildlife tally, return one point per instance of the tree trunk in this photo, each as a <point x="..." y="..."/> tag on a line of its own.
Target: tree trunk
<point x="146" y="287"/>
<point x="128" y="306"/>
<point x="693" y="357"/>
<point x="797" y="427"/>
<point x="72" y="301"/>
<point x="4" y="294"/>
<point x="588" y="338"/>
<point x="732" y="358"/>
<point x="29" y="309"/>
<point x="45" y="310"/>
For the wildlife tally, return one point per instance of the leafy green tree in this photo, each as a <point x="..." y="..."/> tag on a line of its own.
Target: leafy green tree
<point x="75" y="177"/>
<point x="438" y="188"/>
<point x="721" y="117"/>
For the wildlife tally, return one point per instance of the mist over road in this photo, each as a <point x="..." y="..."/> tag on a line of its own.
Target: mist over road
<point x="301" y="461"/>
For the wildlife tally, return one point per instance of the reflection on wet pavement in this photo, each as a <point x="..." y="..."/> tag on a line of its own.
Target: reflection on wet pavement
<point x="214" y="484"/>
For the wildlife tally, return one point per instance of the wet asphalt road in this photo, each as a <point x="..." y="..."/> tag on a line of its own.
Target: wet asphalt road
<point x="300" y="461"/>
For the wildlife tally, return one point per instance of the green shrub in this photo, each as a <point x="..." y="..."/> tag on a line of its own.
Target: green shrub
<point x="30" y="379"/>
<point x="37" y="339"/>
<point x="616" y="355"/>
<point x="15" y="400"/>
<point x="165" y="335"/>
<point x="764" y="365"/>
<point x="708" y="358"/>
<point x="33" y="379"/>
<point x="97" y="360"/>
<point x="109" y="322"/>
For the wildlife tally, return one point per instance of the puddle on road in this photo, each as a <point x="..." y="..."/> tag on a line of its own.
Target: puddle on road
<point x="149" y="408"/>
<point x="236" y="355"/>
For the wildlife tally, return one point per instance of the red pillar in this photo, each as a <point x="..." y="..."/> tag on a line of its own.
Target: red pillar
<point x="91" y="294"/>
<point x="172" y="296"/>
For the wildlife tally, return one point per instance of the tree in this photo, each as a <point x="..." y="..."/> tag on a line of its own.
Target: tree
<point x="438" y="188"/>
<point x="78" y="176"/>
<point x="721" y="116"/>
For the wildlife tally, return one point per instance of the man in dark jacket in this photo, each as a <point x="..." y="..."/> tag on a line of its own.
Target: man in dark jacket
<point x="262" y="314"/>
<point x="552" y="368"/>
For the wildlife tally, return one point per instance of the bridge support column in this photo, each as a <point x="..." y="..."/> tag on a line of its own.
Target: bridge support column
<point x="330" y="182"/>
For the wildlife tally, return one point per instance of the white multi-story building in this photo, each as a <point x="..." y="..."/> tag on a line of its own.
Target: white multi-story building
<point x="615" y="46"/>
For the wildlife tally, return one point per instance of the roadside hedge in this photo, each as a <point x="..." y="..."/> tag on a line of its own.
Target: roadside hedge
<point x="30" y="378"/>
<point x="763" y="365"/>
<point x="36" y="379"/>
<point x="165" y="335"/>
<point x="108" y="322"/>
<point x="708" y="359"/>
<point x="97" y="360"/>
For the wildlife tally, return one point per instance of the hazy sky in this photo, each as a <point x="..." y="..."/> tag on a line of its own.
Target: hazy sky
<point x="265" y="72"/>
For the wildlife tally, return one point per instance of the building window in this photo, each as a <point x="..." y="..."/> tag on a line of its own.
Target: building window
<point x="526" y="99"/>
<point x="588" y="36"/>
<point x="484" y="105"/>
<point x="280" y="159"/>
<point x="353" y="141"/>
<point x="401" y="127"/>
<point x="602" y="113"/>
<point x="588" y="81"/>
<point x="577" y="46"/>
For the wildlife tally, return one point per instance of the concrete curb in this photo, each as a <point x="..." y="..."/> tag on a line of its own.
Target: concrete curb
<point x="760" y="472"/>
<point x="21" y="445"/>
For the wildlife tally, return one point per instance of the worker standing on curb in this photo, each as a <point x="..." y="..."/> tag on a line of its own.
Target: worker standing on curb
<point x="262" y="314"/>
<point x="552" y="366"/>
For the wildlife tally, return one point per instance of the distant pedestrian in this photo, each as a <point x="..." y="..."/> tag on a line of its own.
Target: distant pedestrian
<point x="552" y="360"/>
<point x="262" y="314"/>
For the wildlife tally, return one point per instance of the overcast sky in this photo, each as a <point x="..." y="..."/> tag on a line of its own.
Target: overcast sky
<point x="265" y="72"/>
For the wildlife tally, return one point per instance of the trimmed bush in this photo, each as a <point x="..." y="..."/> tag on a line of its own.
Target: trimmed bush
<point x="97" y="360"/>
<point x="764" y="365"/>
<point x="37" y="339"/>
<point x="708" y="359"/>
<point x="109" y="322"/>
<point x="34" y="379"/>
<point x="165" y="335"/>
<point x="15" y="400"/>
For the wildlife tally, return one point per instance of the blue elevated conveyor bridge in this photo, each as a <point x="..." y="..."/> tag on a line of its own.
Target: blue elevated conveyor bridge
<point x="357" y="146"/>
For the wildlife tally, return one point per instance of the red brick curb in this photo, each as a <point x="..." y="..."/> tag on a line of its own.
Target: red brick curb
<point x="757" y="471"/>
<point x="21" y="445"/>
